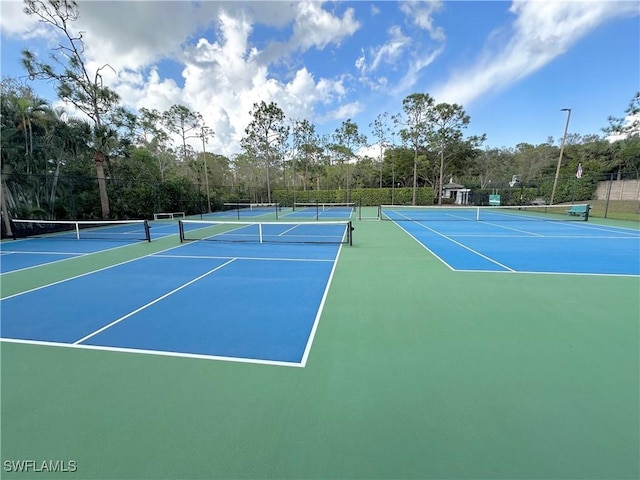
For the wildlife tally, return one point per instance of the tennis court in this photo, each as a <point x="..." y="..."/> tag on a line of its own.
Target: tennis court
<point x="62" y="243"/>
<point x="144" y="312"/>
<point x="517" y="240"/>
<point x="317" y="210"/>
<point x="409" y="364"/>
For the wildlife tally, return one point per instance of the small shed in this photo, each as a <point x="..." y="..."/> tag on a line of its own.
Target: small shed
<point x="456" y="191"/>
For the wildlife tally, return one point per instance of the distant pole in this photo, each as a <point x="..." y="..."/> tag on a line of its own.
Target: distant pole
<point x="564" y="138"/>
<point x="606" y="208"/>
<point x="205" y="132"/>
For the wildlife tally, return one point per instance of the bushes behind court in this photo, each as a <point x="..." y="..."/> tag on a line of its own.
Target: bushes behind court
<point x="361" y="196"/>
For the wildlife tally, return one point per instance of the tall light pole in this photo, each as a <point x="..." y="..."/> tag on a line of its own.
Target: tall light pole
<point x="205" y="133"/>
<point x="564" y="137"/>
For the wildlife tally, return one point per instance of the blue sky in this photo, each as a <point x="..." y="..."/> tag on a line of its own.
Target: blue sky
<point x="512" y="65"/>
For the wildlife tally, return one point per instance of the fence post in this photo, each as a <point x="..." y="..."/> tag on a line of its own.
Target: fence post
<point x="606" y="207"/>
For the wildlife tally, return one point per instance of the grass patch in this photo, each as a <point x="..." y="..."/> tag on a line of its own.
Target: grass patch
<point x="617" y="209"/>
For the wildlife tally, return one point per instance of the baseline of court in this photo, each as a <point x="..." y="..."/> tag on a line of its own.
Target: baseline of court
<point x="532" y="247"/>
<point x="243" y="302"/>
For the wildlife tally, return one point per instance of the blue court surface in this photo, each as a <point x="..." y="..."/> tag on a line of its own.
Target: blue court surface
<point x="26" y="253"/>
<point x="241" y="213"/>
<point x="529" y="245"/>
<point x="243" y="302"/>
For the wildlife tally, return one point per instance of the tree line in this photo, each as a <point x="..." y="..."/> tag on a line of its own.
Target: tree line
<point x="115" y="163"/>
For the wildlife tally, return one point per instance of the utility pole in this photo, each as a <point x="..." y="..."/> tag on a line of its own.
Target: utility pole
<point x="564" y="138"/>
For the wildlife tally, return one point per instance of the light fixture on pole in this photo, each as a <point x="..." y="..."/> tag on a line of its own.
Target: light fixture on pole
<point x="564" y="137"/>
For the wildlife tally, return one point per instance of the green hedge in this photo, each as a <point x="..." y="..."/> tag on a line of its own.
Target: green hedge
<point x="362" y="196"/>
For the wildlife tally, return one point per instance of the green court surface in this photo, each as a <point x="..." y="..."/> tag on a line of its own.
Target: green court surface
<point x="416" y="371"/>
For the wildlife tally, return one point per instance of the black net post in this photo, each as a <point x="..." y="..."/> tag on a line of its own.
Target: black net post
<point x="181" y="229"/>
<point x="147" y="230"/>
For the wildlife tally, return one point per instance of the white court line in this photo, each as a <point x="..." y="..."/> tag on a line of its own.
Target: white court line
<point x="82" y="274"/>
<point x="155" y="227"/>
<point x="47" y="253"/>
<point x="463" y="218"/>
<point x="465" y="247"/>
<point x="288" y="230"/>
<point x="163" y="353"/>
<point x="61" y="260"/>
<point x="578" y="274"/>
<point x="229" y="232"/>
<point x="73" y="255"/>
<point x="509" y="270"/>
<point x="312" y="334"/>
<point x="513" y="229"/>
<point x="174" y="354"/>
<point x="280" y="259"/>
<point x="549" y="237"/>
<point x="605" y="228"/>
<point x="87" y="337"/>
<point x="425" y="247"/>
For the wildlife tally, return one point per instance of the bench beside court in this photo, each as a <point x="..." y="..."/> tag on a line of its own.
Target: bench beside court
<point x="579" y="210"/>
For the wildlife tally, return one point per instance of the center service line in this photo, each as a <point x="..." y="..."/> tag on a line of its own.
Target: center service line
<point x="465" y="247"/>
<point x="152" y="302"/>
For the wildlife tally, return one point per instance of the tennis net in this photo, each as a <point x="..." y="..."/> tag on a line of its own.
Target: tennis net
<point x="123" y="230"/>
<point x="267" y="232"/>
<point x="485" y="213"/>
<point x="251" y="207"/>
<point x="325" y="207"/>
<point x="168" y="215"/>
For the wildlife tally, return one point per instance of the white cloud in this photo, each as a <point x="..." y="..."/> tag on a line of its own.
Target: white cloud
<point x="344" y="111"/>
<point x="632" y="126"/>
<point x="316" y="27"/>
<point x="371" y="151"/>
<point x="541" y="31"/>
<point x="422" y="14"/>
<point x="401" y="51"/>
<point x="392" y="50"/>
<point x="152" y="93"/>
<point x="385" y="57"/>
<point x="217" y="71"/>
<point x="411" y="76"/>
<point x="14" y="22"/>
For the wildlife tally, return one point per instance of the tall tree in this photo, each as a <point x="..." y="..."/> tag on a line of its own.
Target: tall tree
<point x="381" y="131"/>
<point x="66" y="141"/>
<point x="152" y="135"/>
<point x="629" y="125"/>
<point x="492" y="165"/>
<point x="306" y="148"/>
<point x="185" y="123"/>
<point x="70" y="72"/>
<point x="266" y="136"/>
<point x="205" y="134"/>
<point x="446" y="122"/>
<point x="347" y="140"/>
<point x="414" y="126"/>
<point x="27" y="109"/>
<point x="627" y="128"/>
<point x="150" y="126"/>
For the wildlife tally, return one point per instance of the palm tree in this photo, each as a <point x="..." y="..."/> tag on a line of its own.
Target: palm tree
<point x="105" y="140"/>
<point x="27" y="109"/>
